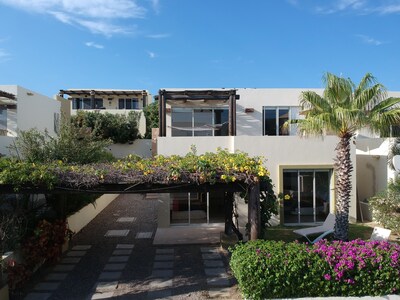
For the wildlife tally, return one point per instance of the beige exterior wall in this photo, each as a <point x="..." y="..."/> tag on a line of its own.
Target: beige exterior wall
<point x="279" y="152"/>
<point x="33" y="111"/>
<point x="80" y="219"/>
<point x="373" y="172"/>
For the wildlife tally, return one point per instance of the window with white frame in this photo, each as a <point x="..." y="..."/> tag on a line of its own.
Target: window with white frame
<point x="275" y="120"/>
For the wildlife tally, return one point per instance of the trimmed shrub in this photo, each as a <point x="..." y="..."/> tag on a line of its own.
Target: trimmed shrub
<point x="268" y="269"/>
<point x="386" y="207"/>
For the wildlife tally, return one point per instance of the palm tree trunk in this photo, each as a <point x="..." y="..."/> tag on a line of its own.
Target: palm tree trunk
<point x="343" y="168"/>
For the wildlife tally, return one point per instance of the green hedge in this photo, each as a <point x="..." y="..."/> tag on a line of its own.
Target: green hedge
<point x="268" y="269"/>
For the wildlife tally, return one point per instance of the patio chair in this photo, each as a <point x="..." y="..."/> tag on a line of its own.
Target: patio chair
<point x="380" y="234"/>
<point x="323" y="230"/>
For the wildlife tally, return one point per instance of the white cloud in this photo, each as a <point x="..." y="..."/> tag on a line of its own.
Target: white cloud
<point x="151" y="54"/>
<point x="155" y="4"/>
<point x="103" y="27"/>
<point x="4" y="55"/>
<point x="369" y="40"/>
<point x="159" y="36"/>
<point x="94" y="45"/>
<point x="360" y="6"/>
<point x="98" y="16"/>
<point x="389" y="9"/>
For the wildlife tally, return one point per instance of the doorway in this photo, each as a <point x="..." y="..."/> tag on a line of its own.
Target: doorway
<point x="306" y="195"/>
<point x="196" y="208"/>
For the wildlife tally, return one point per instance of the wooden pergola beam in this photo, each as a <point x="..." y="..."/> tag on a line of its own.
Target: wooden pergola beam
<point x="4" y="94"/>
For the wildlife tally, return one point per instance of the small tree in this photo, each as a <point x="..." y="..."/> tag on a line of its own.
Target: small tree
<point x="72" y="145"/>
<point x="152" y="117"/>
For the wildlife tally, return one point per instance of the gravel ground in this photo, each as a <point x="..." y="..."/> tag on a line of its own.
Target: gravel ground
<point x="187" y="278"/>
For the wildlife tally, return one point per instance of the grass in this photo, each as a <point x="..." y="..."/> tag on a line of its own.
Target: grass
<point x="285" y="233"/>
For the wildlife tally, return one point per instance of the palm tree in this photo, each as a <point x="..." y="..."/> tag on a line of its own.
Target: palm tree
<point x="343" y="109"/>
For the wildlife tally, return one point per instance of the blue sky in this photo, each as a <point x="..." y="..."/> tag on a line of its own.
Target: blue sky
<point x="48" y="45"/>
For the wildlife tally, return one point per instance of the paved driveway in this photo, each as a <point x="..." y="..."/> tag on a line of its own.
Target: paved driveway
<point x="114" y="258"/>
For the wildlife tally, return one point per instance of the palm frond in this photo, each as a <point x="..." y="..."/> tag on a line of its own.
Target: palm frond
<point x="366" y="82"/>
<point x="369" y="97"/>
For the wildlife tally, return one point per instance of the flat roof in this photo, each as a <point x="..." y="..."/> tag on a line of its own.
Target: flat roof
<point x="104" y="92"/>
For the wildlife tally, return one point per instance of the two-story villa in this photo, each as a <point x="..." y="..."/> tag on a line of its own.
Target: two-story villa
<point x="253" y="120"/>
<point x="108" y="100"/>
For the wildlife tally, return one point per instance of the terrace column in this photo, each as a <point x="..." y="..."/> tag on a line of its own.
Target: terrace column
<point x="162" y="113"/>
<point x="232" y="114"/>
<point x="254" y="211"/>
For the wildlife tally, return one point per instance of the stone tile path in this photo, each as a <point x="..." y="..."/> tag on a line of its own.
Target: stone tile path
<point x="114" y="258"/>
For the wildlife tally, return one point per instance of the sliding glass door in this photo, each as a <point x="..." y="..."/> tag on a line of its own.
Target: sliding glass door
<point x="307" y="195"/>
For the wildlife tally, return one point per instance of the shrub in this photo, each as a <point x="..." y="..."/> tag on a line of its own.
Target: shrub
<point x="72" y="145"/>
<point x="117" y="127"/>
<point x="268" y="269"/>
<point x="386" y="207"/>
<point x="151" y="114"/>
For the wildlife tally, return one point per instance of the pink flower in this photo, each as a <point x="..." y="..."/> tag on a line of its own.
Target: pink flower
<point x="327" y="277"/>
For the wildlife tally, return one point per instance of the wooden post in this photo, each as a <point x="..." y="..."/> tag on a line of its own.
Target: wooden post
<point x="231" y="116"/>
<point x="228" y="203"/>
<point x="254" y="211"/>
<point x="162" y="111"/>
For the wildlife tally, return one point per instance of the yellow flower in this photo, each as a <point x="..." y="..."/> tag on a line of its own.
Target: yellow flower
<point x="287" y="197"/>
<point x="223" y="176"/>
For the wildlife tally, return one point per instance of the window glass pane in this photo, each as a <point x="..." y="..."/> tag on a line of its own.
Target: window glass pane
<point x="98" y="103"/>
<point x="76" y="103"/>
<point x="121" y="103"/>
<point x="290" y="190"/>
<point x="3" y="120"/>
<point x="87" y="103"/>
<point x="128" y="104"/>
<point x="203" y="122"/>
<point x="221" y="122"/>
<point x="322" y="194"/>
<point x="283" y="117"/>
<point x="135" y="103"/>
<point x="181" y="122"/>
<point x="269" y="122"/>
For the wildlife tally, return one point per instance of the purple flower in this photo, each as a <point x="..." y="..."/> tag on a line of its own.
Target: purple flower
<point x="327" y="277"/>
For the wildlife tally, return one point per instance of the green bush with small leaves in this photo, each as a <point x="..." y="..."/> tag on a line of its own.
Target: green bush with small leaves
<point x="269" y="269"/>
<point x="386" y="207"/>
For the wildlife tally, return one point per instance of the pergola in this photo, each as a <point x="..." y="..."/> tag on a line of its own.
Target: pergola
<point x="92" y="93"/>
<point x="253" y="191"/>
<point x="7" y="95"/>
<point x="200" y="97"/>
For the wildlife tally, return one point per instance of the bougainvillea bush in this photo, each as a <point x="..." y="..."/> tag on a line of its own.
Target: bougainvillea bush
<point x="268" y="269"/>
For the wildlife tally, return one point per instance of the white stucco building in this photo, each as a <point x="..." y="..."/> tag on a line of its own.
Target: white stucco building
<point x="109" y="101"/>
<point x="252" y="120"/>
<point x="23" y="109"/>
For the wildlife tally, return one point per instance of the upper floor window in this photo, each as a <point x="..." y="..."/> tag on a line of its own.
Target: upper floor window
<point x="199" y="122"/>
<point x="274" y="119"/>
<point x="3" y="120"/>
<point x="87" y="103"/>
<point x="128" y="103"/>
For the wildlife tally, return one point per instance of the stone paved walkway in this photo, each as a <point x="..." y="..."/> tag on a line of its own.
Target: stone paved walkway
<point x="114" y="258"/>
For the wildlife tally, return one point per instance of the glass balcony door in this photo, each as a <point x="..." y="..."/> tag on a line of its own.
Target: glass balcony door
<point x="307" y="195"/>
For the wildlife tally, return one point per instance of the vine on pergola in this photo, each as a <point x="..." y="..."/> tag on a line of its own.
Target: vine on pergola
<point x="219" y="167"/>
<point x="223" y="171"/>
